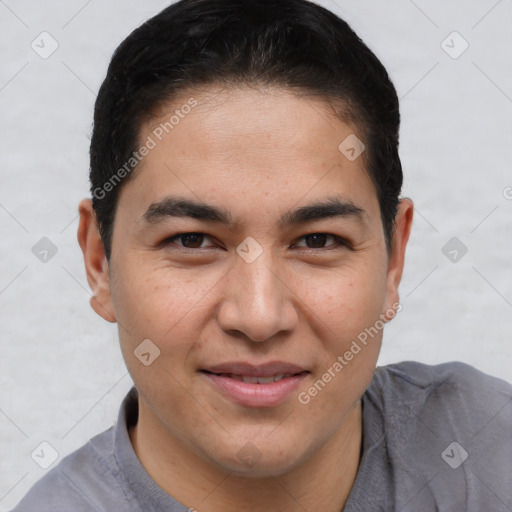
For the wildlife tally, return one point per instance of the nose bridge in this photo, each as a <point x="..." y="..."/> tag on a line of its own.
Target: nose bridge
<point x="259" y="280"/>
<point x="256" y="301"/>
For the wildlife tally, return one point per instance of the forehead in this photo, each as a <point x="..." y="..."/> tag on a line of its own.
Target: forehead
<point x="258" y="120"/>
<point x="245" y="144"/>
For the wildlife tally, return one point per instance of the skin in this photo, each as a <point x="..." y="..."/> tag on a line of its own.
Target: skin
<point x="257" y="153"/>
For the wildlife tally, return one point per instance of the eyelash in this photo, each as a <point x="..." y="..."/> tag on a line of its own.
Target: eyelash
<point x="339" y="242"/>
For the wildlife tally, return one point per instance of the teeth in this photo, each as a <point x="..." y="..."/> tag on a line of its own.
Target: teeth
<point x="250" y="380"/>
<point x="261" y="380"/>
<point x="264" y="380"/>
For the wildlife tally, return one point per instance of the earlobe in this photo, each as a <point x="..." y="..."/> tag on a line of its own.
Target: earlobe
<point x="403" y="224"/>
<point x="96" y="264"/>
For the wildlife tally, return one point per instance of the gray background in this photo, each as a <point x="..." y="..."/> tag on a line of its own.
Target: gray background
<point x="61" y="373"/>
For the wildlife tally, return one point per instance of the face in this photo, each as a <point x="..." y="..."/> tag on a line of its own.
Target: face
<point x="246" y="247"/>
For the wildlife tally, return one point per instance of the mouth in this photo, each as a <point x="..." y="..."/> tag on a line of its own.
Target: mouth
<point x="250" y="385"/>
<point x="250" y="379"/>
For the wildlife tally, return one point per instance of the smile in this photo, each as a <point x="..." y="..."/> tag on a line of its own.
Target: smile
<point x="249" y="379"/>
<point x="255" y="386"/>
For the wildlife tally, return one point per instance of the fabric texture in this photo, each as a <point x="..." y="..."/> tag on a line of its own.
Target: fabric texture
<point x="435" y="438"/>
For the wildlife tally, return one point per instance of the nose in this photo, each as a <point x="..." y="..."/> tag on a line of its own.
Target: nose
<point x="257" y="300"/>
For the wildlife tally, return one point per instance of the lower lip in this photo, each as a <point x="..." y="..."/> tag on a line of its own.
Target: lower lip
<point x="256" y="395"/>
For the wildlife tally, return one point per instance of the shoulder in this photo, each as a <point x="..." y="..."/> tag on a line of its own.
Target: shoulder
<point x="456" y="393"/>
<point x="446" y="380"/>
<point x="81" y="482"/>
<point x="446" y="434"/>
<point x="421" y="374"/>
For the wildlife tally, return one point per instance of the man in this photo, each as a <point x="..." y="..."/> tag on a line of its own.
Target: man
<point x="247" y="235"/>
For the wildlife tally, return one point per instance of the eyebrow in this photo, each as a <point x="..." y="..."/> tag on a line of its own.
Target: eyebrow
<point x="333" y="207"/>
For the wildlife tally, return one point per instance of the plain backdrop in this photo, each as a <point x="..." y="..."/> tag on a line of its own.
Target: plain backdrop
<point x="62" y="376"/>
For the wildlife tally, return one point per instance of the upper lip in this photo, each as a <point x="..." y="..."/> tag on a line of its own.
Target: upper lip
<point x="269" y="369"/>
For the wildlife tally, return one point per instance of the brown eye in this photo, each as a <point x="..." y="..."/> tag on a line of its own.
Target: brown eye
<point x="192" y="240"/>
<point x="188" y="240"/>
<point x="316" y="240"/>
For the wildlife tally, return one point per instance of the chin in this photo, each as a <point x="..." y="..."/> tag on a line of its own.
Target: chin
<point x="261" y="469"/>
<point x="251" y="462"/>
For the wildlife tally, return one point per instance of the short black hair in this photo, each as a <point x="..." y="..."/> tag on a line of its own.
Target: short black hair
<point x="295" y="44"/>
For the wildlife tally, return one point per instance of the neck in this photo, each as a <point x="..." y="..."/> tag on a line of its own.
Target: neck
<point x="323" y="482"/>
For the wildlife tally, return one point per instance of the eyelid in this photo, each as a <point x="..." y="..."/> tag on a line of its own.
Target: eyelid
<point x="170" y="240"/>
<point x="340" y="242"/>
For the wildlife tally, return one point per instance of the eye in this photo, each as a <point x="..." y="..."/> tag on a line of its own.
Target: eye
<point x="313" y="241"/>
<point x="188" y="240"/>
<point x="318" y="240"/>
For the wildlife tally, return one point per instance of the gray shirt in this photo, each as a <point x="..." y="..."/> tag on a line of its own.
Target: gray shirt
<point x="435" y="438"/>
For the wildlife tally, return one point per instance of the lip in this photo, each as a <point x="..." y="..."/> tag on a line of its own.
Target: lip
<point x="253" y="370"/>
<point x="255" y="394"/>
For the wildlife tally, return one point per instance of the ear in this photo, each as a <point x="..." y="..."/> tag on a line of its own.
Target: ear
<point x="96" y="264"/>
<point x="403" y="224"/>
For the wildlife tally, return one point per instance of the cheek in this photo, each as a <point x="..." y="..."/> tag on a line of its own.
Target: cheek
<point x="163" y="304"/>
<point x="347" y="308"/>
<point x="346" y="300"/>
